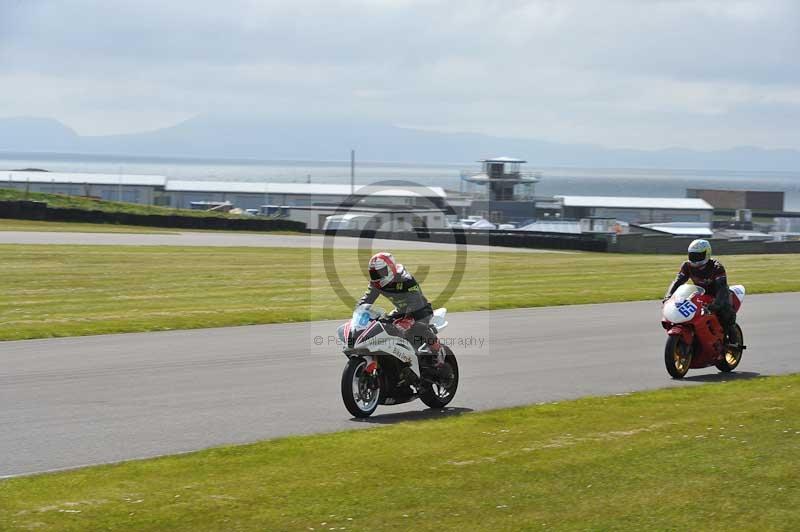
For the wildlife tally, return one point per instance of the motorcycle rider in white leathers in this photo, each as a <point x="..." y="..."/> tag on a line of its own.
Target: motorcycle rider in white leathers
<point x="412" y="312"/>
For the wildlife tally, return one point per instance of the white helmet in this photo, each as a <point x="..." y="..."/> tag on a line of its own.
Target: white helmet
<point x="383" y="269"/>
<point x="699" y="253"/>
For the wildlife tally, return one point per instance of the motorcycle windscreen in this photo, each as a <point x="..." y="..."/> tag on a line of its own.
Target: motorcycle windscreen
<point x="360" y="319"/>
<point x="686" y="291"/>
<point x="363" y="314"/>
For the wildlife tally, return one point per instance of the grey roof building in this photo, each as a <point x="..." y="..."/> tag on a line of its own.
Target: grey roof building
<point x="159" y="190"/>
<point x="636" y="210"/>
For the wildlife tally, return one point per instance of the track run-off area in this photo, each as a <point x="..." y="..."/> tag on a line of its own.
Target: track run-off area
<point x="78" y="401"/>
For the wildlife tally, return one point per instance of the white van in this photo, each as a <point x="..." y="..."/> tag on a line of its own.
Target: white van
<point x="361" y="222"/>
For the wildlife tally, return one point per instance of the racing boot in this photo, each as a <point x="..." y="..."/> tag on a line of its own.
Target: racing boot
<point x="432" y="351"/>
<point x="727" y="318"/>
<point x="438" y="353"/>
<point x="431" y="359"/>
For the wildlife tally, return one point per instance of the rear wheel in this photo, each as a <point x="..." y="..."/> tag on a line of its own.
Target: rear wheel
<point x="445" y="383"/>
<point x="360" y="390"/>
<point x="677" y="357"/>
<point x="733" y="354"/>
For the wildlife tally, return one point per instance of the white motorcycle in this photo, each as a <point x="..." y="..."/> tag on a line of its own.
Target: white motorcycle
<point x="385" y="368"/>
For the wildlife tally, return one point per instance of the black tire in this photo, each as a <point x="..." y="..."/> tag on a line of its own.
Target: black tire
<point x="677" y="357"/>
<point x="440" y="394"/>
<point x="349" y="375"/>
<point x="733" y="356"/>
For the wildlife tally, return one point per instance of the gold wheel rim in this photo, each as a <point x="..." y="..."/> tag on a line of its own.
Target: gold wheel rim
<point x="681" y="361"/>
<point x="732" y="356"/>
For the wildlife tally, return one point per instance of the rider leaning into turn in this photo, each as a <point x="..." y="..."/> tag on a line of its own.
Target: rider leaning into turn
<point x="412" y="312"/>
<point x="709" y="274"/>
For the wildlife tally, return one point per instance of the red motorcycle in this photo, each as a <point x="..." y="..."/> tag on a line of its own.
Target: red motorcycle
<point x="696" y="337"/>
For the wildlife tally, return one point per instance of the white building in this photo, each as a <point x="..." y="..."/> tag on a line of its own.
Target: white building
<point x="248" y="195"/>
<point x="158" y="190"/>
<point x="143" y="189"/>
<point x="371" y="218"/>
<point x="637" y="210"/>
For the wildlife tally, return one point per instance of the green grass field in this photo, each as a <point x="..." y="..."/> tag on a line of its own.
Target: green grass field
<point x="714" y="457"/>
<point x="79" y="290"/>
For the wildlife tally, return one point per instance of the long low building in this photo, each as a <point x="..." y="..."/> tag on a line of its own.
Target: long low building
<point x="358" y="218"/>
<point x="635" y="209"/>
<point x="249" y="195"/>
<point x="159" y="190"/>
<point x="145" y="189"/>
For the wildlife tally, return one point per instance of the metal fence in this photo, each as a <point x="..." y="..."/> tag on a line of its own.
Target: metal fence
<point x="626" y="243"/>
<point x="36" y="210"/>
<point x="488" y="237"/>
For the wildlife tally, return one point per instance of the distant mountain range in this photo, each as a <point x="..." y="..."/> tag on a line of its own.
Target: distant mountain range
<point x="224" y="137"/>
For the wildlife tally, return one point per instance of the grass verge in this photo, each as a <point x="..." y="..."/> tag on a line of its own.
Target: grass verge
<point x="7" y="224"/>
<point x="63" y="201"/>
<point x="645" y="461"/>
<point x="79" y="227"/>
<point x="52" y="291"/>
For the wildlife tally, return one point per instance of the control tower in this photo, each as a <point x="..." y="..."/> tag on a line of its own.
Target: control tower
<point x="508" y="196"/>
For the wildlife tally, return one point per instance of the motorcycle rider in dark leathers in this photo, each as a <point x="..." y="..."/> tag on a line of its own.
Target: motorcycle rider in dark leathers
<point x="709" y="274"/>
<point x="412" y="313"/>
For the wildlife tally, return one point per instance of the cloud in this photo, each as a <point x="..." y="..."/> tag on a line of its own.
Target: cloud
<point x="642" y="73"/>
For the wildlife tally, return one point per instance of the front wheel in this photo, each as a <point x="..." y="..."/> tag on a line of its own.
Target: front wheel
<point x="733" y="354"/>
<point x="445" y="383"/>
<point x="360" y="390"/>
<point x="677" y="357"/>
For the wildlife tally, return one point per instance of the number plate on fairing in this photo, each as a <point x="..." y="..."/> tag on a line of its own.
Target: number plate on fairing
<point x="679" y="311"/>
<point x="686" y="308"/>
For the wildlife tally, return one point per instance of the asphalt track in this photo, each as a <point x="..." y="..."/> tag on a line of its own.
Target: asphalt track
<point x="231" y="239"/>
<point x="77" y="401"/>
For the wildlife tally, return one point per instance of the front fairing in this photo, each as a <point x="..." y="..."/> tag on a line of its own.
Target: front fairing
<point x="364" y="336"/>
<point x="361" y="319"/>
<point x="680" y="311"/>
<point x="683" y="306"/>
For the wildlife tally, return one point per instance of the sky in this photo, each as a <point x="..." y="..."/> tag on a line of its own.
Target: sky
<point x="617" y="73"/>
